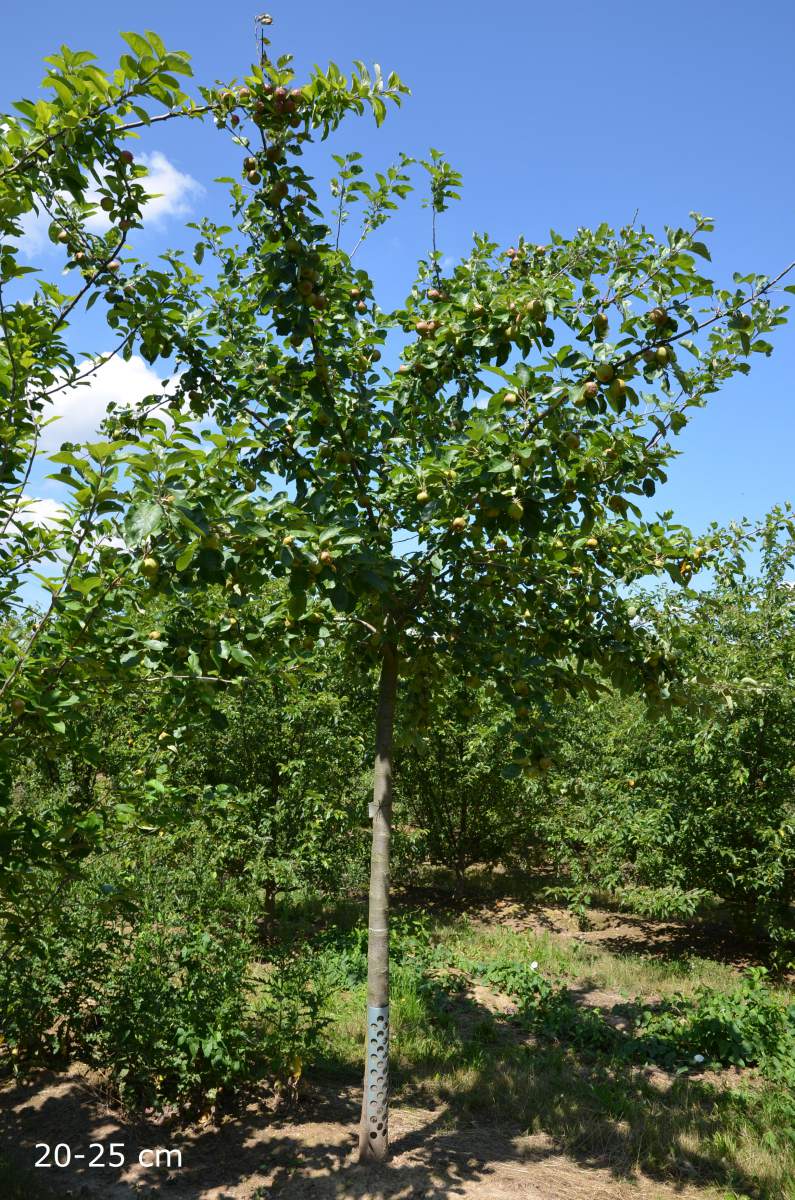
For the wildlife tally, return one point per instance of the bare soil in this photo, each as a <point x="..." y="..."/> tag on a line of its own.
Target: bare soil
<point x="305" y="1152"/>
<point x="309" y="1149"/>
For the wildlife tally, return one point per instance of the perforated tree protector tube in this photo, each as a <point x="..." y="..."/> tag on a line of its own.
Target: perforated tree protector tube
<point x="378" y="1074"/>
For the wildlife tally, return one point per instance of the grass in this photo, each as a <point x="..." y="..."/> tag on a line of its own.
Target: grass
<point x="731" y="1132"/>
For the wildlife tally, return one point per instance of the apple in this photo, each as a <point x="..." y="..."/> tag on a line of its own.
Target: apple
<point x="250" y="163"/>
<point x="154" y="635"/>
<point x="423" y="496"/>
<point x="601" y="323"/>
<point x="127" y="157"/>
<point x="17" y="706"/>
<point x="458" y="524"/>
<point x="510" y="398"/>
<point x="537" y="309"/>
<point x="150" y="567"/>
<point x="403" y="369"/>
<point x="326" y="557"/>
<point x="361" y="307"/>
<point x="605" y="372"/>
<point x="106" y="204"/>
<point x="658" y="316"/>
<point x="664" y="355"/>
<point x="253" y="177"/>
<point x="515" y="510"/>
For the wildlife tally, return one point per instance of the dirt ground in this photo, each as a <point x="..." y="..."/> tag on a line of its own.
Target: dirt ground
<point x="308" y="1152"/>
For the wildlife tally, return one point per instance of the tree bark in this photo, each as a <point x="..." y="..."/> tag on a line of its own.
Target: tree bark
<point x="374" y="1129"/>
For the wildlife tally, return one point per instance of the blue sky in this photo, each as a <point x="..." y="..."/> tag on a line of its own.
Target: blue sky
<point x="558" y="115"/>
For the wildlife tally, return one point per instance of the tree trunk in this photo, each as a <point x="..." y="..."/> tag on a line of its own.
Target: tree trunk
<point x="374" y="1129"/>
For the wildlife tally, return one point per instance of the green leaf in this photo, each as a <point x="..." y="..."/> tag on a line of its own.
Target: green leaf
<point x="186" y="557"/>
<point x="141" y="521"/>
<point x="137" y="43"/>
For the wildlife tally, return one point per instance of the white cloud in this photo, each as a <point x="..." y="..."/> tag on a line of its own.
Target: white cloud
<point x="80" y="410"/>
<point x="171" y="191"/>
<point x="34" y="234"/>
<point x="41" y="511"/>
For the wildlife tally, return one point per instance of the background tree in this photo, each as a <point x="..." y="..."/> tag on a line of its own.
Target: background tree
<point x="451" y="784"/>
<point x="699" y="802"/>
<point x="63" y="160"/>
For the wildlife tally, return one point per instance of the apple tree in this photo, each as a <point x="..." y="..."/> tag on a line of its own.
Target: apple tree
<point x="458" y="487"/>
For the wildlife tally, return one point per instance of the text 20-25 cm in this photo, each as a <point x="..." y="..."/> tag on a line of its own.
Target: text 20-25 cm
<point x="100" y="1155"/>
